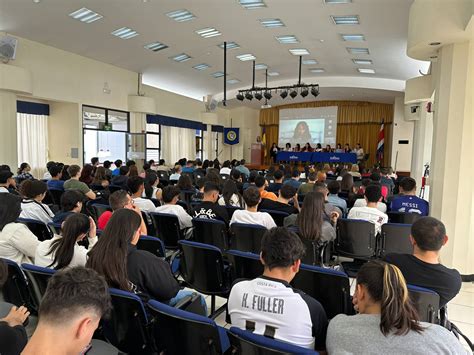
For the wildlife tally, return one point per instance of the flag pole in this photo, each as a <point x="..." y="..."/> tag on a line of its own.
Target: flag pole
<point x="231" y="156"/>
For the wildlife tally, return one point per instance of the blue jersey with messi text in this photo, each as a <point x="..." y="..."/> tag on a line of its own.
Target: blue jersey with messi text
<point x="410" y="204"/>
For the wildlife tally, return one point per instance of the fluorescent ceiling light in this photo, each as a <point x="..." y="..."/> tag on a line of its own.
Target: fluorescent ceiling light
<point x="230" y="45"/>
<point x="362" y="61"/>
<point x="299" y="51"/>
<point x="246" y="57"/>
<point x="273" y="73"/>
<point x="346" y="20"/>
<point x="317" y="70"/>
<point x="233" y="81"/>
<point x="287" y="39"/>
<point x="366" y="71"/>
<point x="208" y="32"/>
<point x="261" y="66"/>
<point x="202" y="66"/>
<point x="252" y="4"/>
<point x="125" y="33"/>
<point x="180" y="57"/>
<point x="85" y="15"/>
<point x="156" y="46"/>
<point x="218" y="74"/>
<point x="358" y="50"/>
<point x="331" y="2"/>
<point x="353" y="38"/>
<point x="180" y="15"/>
<point x="310" y="61"/>
<point x="271" y="22"/>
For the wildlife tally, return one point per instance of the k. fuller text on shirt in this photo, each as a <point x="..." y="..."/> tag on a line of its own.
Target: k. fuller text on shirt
<point x="263" y="304"/>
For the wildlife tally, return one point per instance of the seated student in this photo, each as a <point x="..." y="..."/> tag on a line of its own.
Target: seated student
<point x="17" y="243"/>
<point x="23" y="172"/>
<point x="55" y="183"/>
<point x="189" y="167"/>
<point x="152" y="181"/>
<point x="13" y="337"/>
<point x="117" y="200"/>
<point x="209" y="208"/>
<point x="177" y="172"/>
<point x="407" y="201"/>
<point x="47" y="174"/>
<point x="361" y="202"/>
<point x="376" y="178"/>
<point x="334" y="187"/>
<point x="287" y="193"/>
<point x="231" y="195"/>
<point x="225" y="168"/>
<point x="101" y="179"/>
<point x="136" y="186"/>
<point x="243" y="169"/>
<point x="312" y="221"/>
<point x="7" y="182"/>
<point x="261" y="183"/>
<point x="118" y="163"/>
<point x="370" y="212"/>
<point x="73" y="183"/>
<point x="276" y="186"/>
<point x="270" y="304"/>
<point x="87" y="174"/>
<point x="294" y="181"/>
<point x="199" y="168"/>
<point x="236" y="177"/>
<point x="423" y="268"/>
<point x="251" y="179"/>
<point x="122" y="178"/>
<point x="308" y="186"/>
<point x="387" y="322"/>
<point x="250" y="215"/>
<point x="70" y="312"/>
<point x="170" y="198"/>
<point x="355" y="171"/>
<point x="162" y="166"/>
<point x="34" y="191"/>
<point x="116" y="257"/>
<point x="329" y="208"/>
<point x="62" y="250"/>
<point x="186" y="184"/>
<point x="198" y="196"/>
<point x="71" y="202"/>
<point x="107" y="164"/>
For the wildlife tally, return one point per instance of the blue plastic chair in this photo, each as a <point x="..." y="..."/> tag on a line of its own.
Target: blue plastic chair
<point x="426" y="302"/>
<point x="244" y="265"/>
<point x="38" y="278"/>
<point x="153" y="245"/>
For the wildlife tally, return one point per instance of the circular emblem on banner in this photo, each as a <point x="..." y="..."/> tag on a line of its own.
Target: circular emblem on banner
<point x="231" y="136"/>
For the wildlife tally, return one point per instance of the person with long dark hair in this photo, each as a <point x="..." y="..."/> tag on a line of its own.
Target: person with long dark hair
<point x="32" y="206"/>
<point x="17" y="243"/>
<point x="230" y="195"/>
<point x="63" y="250"/>
<point x="185" y="183"/>
<point x="86" y="174"/>
<point x="301" y="133"/>
<point x="23" y="172"/>
<point x="152" y="182"/>
<point x="387" y="322"/>
<point x="101" y="180"/>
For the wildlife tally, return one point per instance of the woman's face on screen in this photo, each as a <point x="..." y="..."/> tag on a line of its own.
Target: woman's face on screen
<point x="301" y="128"/>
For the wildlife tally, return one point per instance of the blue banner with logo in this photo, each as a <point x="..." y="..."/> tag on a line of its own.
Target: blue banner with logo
<point x="231" y="136"/>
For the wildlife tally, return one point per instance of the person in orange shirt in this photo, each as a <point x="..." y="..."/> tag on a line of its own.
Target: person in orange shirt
<point x="261" y="183"/>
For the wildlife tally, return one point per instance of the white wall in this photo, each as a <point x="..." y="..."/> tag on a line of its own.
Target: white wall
<point x="402" y="130"/>
<point x="248" y="120"/>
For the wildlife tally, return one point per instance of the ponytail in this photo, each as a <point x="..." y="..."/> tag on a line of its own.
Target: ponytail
<point x="386" y="284"/>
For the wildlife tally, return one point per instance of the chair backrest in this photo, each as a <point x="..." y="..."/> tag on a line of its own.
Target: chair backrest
<point x="113" y="188"/>
<point x="231" y="210"/>
<point x="56" y="195"/>
<point x="179" y="332"/>
<point x="210" y="231"/>
<point x="150" y="225"/>
<point x="127" y="326"/>
<point x="330" y="287"/>
<point x="317" y="253"/>
<point x="426" y="302"/>
<point x="163" y="175"/>
<point x="55" y="227"/>
<point x="202" y="267"/>
<point x="403" y="217"/>
<point x="38" y="278"/>
<point x="355" y="239"/>
<point x="278" y="216"/>
<point x="247" y="343"/>
<point x="167" y="228"/>
<point x="99" y="209"/>
<point x="38" y="228"/>
<point x="186" y="196"/>
<point x="244" y="265"/>
<point x="247" y="237"/>
<point x="225" y="177"/>
<point x="395" y="239"/>
<point x="153" y="245"/>
<point x="16" y="288"/>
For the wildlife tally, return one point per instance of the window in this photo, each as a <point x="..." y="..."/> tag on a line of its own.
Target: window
<point x="153" y="140"/>
<point x="199" y="145"/>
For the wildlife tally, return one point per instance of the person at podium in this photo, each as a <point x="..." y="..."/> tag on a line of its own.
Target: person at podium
<point x="273" y="152"/>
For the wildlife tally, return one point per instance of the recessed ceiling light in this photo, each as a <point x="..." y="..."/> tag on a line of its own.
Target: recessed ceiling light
<point x="362" y="61"/>
<point x="125" y="33"/>
<point x="299" y="51"/>
<point x="218" y="74"/>
<point x="181" y="15"/>
<point x="85" y="15"/>
<point x="246" y="57"/>
<point x="252" y="4"/>
<point x="330" y="2"/>
<point x="287" y="39"/>
<point x="229" y="45"/>
<point x="353" y="38"/>
<point x="317" y="70"/>
<point x="346" y="20"/>
<point x="156" y="46"/>
<point x="36" y="1"/>
<point x="233" y="81"/>
<point x="366" y="71"/>
<point x="180" y="57"/>
<point x="310" y="61"/>
<point x="271" y="22"/>
<point x="435" y="43"/>
<point x="261" y="66"/>
<point x="273" y="73"/>
<point x="208" y="32"/>
<point x="202" y="66"/>
<point x="358" y="50"/>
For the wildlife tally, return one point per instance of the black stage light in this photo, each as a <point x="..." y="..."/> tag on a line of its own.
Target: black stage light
<point x="284" y="94"/>
<point x="258" y="96"/>
<point x="314" y="91"/>
<point x="240" y="97"/>
<point x="304" y="92"/>
<point x="293" y="94"/>
<point x="249" y="96"/>
<point x="268" y="95"/>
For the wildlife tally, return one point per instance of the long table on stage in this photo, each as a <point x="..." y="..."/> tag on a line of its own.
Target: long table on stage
<point x="317" y="157"/>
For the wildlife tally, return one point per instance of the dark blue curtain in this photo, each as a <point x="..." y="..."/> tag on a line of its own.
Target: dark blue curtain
<point x="32" y="108"/>
<point x="175" y="122"/>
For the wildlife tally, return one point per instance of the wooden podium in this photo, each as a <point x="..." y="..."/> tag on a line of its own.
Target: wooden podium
<point x="257" y="152"/>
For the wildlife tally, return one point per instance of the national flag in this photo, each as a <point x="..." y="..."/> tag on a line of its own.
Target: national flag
<point x="264" y="141"/>
<point x="380" y="144"/>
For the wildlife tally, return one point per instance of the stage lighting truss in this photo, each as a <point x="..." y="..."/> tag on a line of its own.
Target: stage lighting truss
<point x="284" y="91"/>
